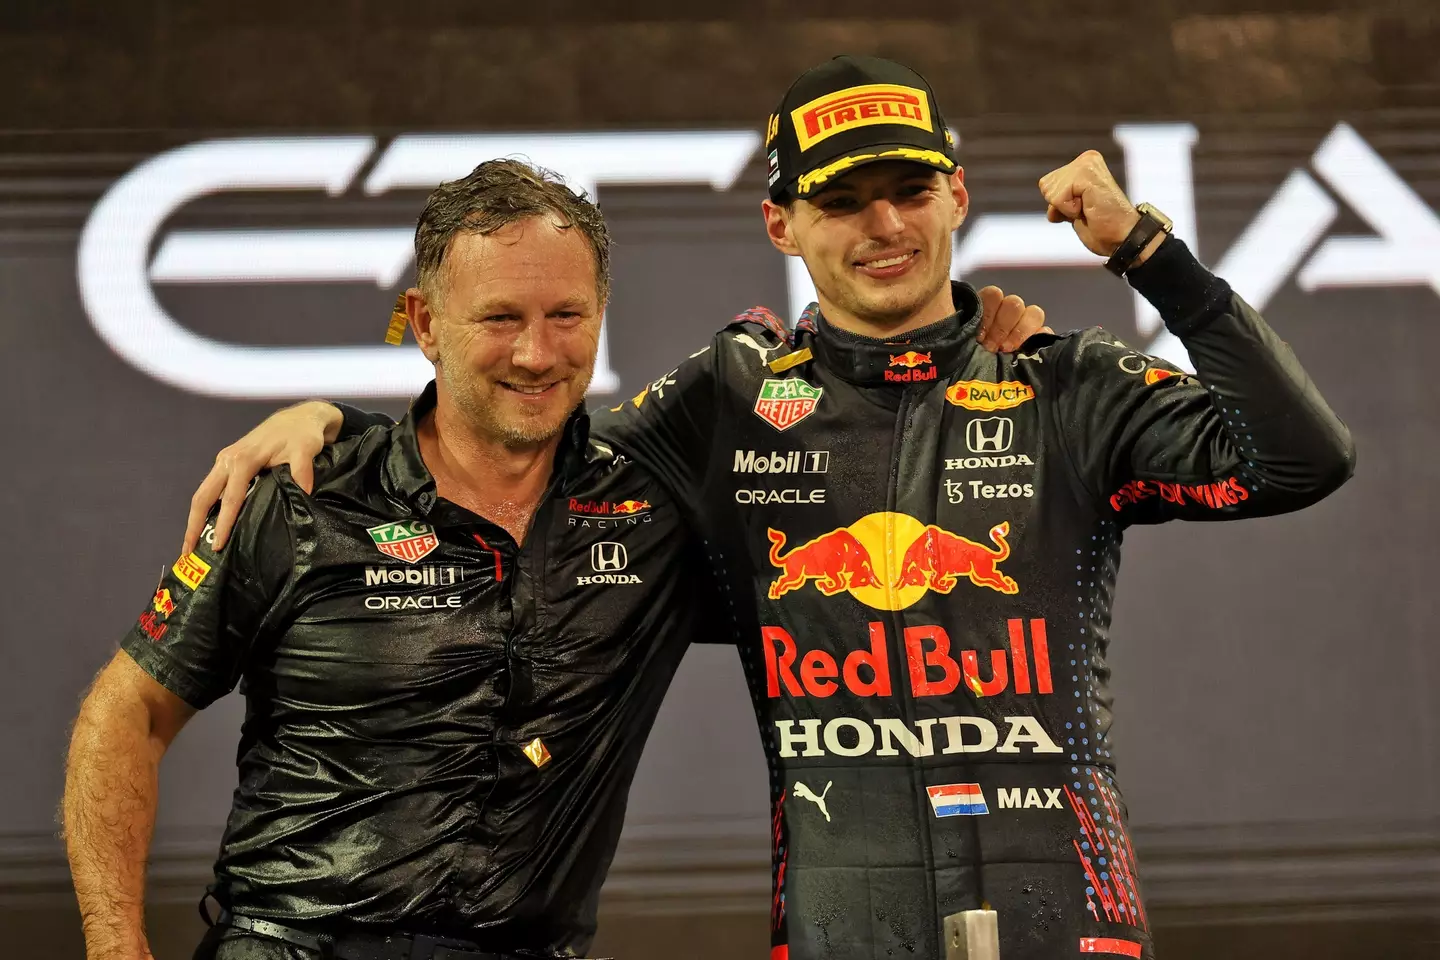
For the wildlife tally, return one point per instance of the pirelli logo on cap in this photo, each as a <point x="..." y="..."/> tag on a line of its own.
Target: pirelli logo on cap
<point x="860" y="107"/>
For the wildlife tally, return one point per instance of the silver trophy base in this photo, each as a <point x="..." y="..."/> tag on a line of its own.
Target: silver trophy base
<point x="972" y="935"/>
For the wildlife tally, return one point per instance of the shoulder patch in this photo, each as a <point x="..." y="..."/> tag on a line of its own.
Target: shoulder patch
<point x="807" y="319"/>
<point x="766" y="319"/>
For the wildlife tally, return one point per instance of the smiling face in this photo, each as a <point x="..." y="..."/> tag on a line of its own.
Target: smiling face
<point x="512" y="326"/>
<point x="877" y="243"/>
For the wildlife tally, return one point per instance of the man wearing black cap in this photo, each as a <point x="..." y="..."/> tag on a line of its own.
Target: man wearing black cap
<point x="923" y="602"/>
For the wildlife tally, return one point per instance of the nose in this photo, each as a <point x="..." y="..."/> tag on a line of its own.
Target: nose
<point x="882" y="218"/>
<point x="535" y="348"/>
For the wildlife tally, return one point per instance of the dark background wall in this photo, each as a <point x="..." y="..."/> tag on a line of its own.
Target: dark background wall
<point x="1278" y="725"/>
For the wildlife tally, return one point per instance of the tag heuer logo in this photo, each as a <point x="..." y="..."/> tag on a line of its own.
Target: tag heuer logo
<point x="784" y="403"/>
<point x="407" y="540"/>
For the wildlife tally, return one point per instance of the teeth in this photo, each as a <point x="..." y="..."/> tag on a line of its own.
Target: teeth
<point x="892" y="261"/>
<point x="530" y="390"/>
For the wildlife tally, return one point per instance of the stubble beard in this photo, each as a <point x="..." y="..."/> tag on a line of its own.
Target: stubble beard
<point x="474" y="398"/>
<point x="887" y="308"/>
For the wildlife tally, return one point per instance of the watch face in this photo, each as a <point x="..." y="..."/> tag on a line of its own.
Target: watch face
<point x="1165" y="222"/>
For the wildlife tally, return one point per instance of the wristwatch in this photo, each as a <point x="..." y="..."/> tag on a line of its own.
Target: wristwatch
<point x="1151" y="222"/>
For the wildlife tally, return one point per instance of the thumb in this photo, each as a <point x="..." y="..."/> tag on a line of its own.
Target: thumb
<point x="990" y="298"/>
<point x="303" y="473"/>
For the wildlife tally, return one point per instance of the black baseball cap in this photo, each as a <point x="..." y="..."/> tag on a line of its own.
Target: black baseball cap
<point x="848" y="112"/>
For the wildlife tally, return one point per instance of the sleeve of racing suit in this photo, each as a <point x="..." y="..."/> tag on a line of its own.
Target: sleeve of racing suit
<point x="669" y="426"/>
<point x="1249" y="435"/>
<point x="196" y="634"/>
<point x="356" y="421"/>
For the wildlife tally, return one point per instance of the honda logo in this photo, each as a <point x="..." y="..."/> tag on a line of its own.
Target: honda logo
<point x="608" y="557"/>
<point x="991" y="435"/>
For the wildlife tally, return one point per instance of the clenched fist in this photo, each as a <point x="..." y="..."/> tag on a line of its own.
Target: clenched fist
<point x="1084" y="193"/>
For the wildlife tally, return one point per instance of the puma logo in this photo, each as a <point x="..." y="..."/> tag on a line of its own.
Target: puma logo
<point x="805" y="793"/>
<point x="745" y="340"/>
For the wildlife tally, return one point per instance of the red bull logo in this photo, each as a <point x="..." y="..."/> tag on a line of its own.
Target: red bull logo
<point x="162" y="603"/>
<point x="836" y="559"/>
<point x="889" y="561"/>
<point x="911" y="360"/>
<point x="932" y="669"/>
<point x="606" y="508"/>
<point x="982" y="395"/>
<point x="860" y="106"/>
<point x="940" y="559"/>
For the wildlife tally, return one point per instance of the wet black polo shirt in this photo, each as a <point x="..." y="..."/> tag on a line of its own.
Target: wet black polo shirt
<point x="441" y="725"/>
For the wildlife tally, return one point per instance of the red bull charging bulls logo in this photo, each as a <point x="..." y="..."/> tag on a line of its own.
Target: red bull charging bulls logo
<point x="918" y="367"/>
<point x="909" y="359"/>
<point x="889" y="560"/>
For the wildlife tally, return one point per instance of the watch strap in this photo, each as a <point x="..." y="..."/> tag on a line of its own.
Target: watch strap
<point x="1140" y="236"/>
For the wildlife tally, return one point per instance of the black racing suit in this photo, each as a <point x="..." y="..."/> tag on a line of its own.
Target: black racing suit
<point x="921" y="540"/>
<point x="441" y="725"/>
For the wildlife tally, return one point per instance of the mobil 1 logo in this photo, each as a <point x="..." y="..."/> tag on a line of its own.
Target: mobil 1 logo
<point x="771" y="461"/>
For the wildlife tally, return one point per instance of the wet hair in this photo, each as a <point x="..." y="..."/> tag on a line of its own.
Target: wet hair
<point x="498" y="193"/>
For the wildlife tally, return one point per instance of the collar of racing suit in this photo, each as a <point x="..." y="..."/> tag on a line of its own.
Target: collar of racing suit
<point x="928" y="353"/>
<point x="407" y="478"/>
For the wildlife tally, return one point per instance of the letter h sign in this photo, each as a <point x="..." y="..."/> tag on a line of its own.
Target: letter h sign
<point x="608" y="557"/>
<point x="991" y="435"/>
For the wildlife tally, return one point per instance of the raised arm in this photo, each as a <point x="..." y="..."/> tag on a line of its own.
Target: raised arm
<point x="1249" y="434"/>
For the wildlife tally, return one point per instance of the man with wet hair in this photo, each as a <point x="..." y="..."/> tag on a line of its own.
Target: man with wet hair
<point x="452" y="641"/>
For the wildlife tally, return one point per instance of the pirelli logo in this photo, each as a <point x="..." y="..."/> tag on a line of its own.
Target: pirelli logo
<point x="860" y="107"/>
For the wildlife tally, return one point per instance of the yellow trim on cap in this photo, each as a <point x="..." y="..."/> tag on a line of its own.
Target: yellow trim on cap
<point x="811" y="180"/>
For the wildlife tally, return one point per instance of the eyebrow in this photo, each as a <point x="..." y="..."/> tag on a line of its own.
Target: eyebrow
<point x="573" y="303"/>
<point x="501" y="305"/>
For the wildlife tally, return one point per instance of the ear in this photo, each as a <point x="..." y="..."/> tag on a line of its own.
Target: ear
<point x="962" y="197"/>
<point x="422" y="323"/>
<point x="777" y="228"/>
